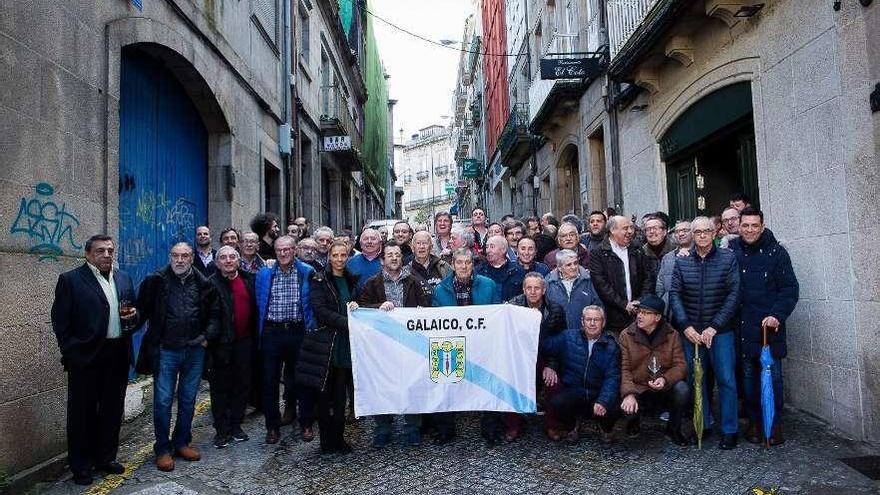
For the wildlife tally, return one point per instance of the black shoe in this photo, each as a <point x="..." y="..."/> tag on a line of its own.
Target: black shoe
<point x="111" y="467"/>
<point x="221" y="440"/>
<point x="443" y="438"/>
<point x="492" y="441"/>
<point x="381" y="440"/>
<point x="728" y="441"/>
<point x="82" y="478"/>
<point x="708" y="432"/>
<point x="343" y="448"/>
<point x="677" y="437"/>
<point x="240" y="436"/>
<point x="634" y="427"/>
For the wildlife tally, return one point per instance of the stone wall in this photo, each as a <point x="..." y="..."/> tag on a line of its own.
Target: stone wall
<point x="811" y="70"/>
<point x="59" y="122"/>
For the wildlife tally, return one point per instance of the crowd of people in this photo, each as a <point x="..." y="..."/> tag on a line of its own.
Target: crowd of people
<point x="625" y="308"/>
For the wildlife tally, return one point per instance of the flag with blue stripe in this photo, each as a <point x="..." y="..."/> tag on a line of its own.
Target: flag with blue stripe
<point x="424" y="360"/>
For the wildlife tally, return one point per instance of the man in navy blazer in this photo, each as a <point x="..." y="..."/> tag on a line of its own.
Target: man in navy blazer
<point x="93" y="328"/>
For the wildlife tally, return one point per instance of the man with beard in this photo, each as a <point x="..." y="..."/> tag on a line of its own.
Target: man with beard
<point x="267" y="229"/>
<point x="403" y="234"/>
<point x="596" y="234"/>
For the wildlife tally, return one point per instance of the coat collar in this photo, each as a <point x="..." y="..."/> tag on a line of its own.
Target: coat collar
<point x="664" y="330"/>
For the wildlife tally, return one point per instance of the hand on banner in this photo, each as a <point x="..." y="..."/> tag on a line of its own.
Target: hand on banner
<point x="352" y="306"/>
<point x="550" y="376"/>
<point x="387" y="306"/>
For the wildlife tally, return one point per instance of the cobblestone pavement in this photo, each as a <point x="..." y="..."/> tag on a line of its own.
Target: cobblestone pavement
<point x="807" y="463"/>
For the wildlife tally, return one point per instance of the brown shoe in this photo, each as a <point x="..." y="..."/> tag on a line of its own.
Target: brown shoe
<point x="573" y="436"/>
<point x="308" y="434"/>
<point x="287" y="418"/>
<point x="776" y="437"/>
<point x="272" y="436"/>
<point x="753" y="434"/>
<point x="554" y="435"/>
<point x="165" y="462"/>
<point x="606" y="437"/>
<point x="189" y="454"/>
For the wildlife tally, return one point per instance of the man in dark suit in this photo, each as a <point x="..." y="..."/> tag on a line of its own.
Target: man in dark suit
<point x="92" y="317"/>
<point x="205" y="254"/>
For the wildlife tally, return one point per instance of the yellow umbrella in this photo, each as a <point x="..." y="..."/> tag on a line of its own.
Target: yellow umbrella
<point x="698" y="396"/>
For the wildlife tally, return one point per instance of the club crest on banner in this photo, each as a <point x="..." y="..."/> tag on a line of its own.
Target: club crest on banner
<point x="447" y="359"/>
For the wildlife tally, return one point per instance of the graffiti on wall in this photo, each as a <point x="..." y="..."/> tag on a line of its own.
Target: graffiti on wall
<point x="46" y="223"/>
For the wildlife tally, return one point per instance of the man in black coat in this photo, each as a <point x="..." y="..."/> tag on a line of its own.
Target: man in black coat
<point x="231" y="351"/>
<point x="92" y="315"/>
<point x="620" y="274"/>
<point x="204" y="260"/>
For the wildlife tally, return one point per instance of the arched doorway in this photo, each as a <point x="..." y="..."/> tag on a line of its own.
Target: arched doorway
<point x="568" y="196"/>
<point x="709" y="153"/>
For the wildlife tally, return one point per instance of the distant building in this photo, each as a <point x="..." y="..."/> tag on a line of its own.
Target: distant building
<point x="427" y="171"/>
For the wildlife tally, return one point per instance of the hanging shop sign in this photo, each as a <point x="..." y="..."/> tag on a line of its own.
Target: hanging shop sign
<point x="337" y="143"/>
<point x="570" y="68"/>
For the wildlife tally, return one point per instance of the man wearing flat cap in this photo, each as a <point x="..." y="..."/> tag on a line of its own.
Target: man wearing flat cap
<point x="653" y="370"/>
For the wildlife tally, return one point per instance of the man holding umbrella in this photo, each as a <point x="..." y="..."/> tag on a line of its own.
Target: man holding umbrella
<point x="769" y="295"/>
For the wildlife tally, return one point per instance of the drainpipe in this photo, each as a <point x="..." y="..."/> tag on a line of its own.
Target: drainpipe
<point x="612" y="89"/>
<point x="284" y="130"/>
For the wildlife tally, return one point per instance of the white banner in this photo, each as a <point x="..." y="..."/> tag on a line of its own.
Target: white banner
<point x="423" y="360"/>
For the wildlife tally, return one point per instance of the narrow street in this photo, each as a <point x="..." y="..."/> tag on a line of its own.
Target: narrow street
<point x="808" y="463"/>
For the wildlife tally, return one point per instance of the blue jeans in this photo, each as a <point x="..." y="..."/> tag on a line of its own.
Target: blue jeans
<point x="179" y="369"/>
<point x="721" y="358"/>
<point x="751" y="368"/>
<point x="412" y="422"/>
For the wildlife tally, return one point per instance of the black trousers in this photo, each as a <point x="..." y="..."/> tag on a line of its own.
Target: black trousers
<point x="677" y="400"/>
<point x="570" y="403"/>
<point x="230" y="384"/>
<point x="332" y="406"/>
<point x="280" y="349"/>
<point x="95" y="404"/>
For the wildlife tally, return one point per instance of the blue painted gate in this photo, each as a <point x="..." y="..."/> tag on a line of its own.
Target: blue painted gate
<point x="163" y="163"/>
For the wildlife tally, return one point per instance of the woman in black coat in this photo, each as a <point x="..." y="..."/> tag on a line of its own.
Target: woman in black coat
<point x="331" y="297"/>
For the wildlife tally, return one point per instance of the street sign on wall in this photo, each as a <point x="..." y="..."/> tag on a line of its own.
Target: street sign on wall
<point x="570" y="68"/>
<point x="337" y="143"/>
<point x="472" y="168"/>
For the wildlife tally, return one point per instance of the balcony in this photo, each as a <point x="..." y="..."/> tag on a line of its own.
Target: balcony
<point x="422" y="175"/>
<point x="441" y="170"/>
<point x="434" y="200"/>
<point x="515" y="139"/>
<point x="624" y="18"/>
<point x="337" y="121"/>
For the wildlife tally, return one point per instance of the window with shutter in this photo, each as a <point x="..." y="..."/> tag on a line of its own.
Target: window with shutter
<point x="266" y="14"/>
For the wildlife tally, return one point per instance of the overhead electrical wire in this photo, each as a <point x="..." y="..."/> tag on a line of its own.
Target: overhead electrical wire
<point x="428" y="40"/>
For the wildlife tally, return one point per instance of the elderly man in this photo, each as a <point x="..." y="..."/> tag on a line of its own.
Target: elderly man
<point x="250" y="260"/>
<point x="182" y="309"/>
<point x="552" y="322"/>
<point x="657" y="244"/>
<point x="568" y="237"/>
<point x="653" y="370"/>
<point x="403" y="234"/>
<point x="391" y="288"/>
<point x="513" y="232"/>
<point x="231" y="351"/>
<point x="307" y="252"/>
<point x="770" y="292"/>
<point x="525" y="256"/>
<point x="620" y="274"/>
<point x="570" y="286"/>
<point x="204" y="261"/>
<point x="285" y="314"/>
<point x="685" y="240"/>
<point x="324" y="237"/>
<point x="442" y="231"/>
<point x="465" y="288"/>
<point x="704" y="298"/>
<point x="590" y="361"/>
<point x="368" y="262"/>
<point x="507" y="275"/>
<point x="460" y="237"/>
<point x="596" y="234"/>
<point x="93" y="317"/>
<point x="425" y="265"/>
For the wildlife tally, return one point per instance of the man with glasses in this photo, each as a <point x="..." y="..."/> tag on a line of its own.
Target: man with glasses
<point x="657" y="244"/>
<point x="324" y="237"/>
<point x="568" y="237"/>
<point x="307" y="252"/>
<point x="704" y="298"/>
<point x="285" y="314"/>
<point x="250" y="261"/>
<point x="590" y="361"/>
<point x="620" y="274"/>
<point x="729" y="225"/>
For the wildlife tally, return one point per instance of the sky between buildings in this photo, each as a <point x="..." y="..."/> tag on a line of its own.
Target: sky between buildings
<point x="422" y="74"/>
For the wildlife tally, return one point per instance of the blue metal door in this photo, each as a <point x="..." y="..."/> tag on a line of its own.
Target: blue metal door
<point x="163" y="158"/>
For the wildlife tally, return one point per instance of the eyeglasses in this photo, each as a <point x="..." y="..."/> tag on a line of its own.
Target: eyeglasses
<point x="653" y="229"/>
<point x="593" y="319"/>
<point x="178" y="256"/>
<point x="283" y="249"/>
<point x="702" y="232"/>
<point x="682" y="231"/>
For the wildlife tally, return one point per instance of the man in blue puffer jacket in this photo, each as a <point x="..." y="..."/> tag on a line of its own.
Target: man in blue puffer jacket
<point x="590" y="362"/>
<point x="704" y="298"/>
<point x="769" y="295"/>
<point x="285" y="314"/>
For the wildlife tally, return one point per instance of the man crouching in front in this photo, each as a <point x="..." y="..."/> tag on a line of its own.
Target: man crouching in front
<point x="590" y="361"/>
